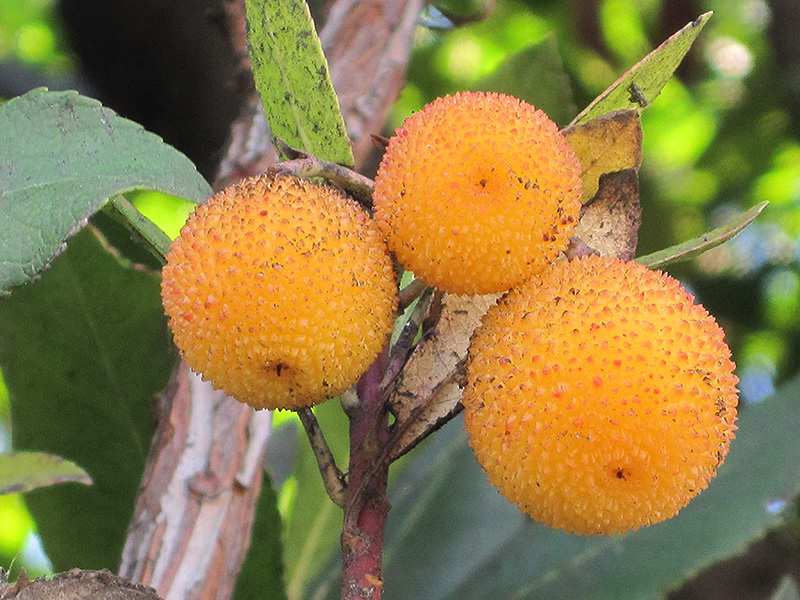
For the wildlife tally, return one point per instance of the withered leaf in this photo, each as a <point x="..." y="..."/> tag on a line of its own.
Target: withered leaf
<point x="608" y="143"/>
<point x="610" y="221"/>
<point x="428" y="390"/>
<point x="443" y="403"/>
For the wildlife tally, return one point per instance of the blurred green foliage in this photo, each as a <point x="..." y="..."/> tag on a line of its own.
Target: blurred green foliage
<point x="29" y="33"/>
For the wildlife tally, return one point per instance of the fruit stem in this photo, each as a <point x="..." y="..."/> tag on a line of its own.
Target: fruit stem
<point x="365" y="503"/>
<point x="302" y="164"/>
<point x="578" y="248"/>
<point x="332" y="477"/>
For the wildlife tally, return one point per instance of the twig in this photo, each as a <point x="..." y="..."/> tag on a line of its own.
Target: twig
<point x="427" y="418"/>
<point x="349" y="401"/>
<point x="402" y="348"/>
<point x="332" y="477"/>
<point x="578" y="248"/>
<point x="410" y="293"/>
<point x="302" y="164"/>
<point x="381" y="141"/>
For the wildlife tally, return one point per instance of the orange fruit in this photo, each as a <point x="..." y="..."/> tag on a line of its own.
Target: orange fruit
<point x="280" y="291"/>
<point x="599" y="396"/>
<point x="477" y="192"/>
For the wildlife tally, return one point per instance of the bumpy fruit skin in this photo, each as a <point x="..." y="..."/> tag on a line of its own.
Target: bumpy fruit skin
<point x="477" y="192"/>
<point x="280" y="291"/>
<point x="600" y="398"/>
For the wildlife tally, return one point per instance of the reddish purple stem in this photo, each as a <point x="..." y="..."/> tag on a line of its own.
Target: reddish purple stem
<point x="366" y="505"/>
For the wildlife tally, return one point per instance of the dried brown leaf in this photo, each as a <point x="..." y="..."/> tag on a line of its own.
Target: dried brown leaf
<point x="608" y="143"/>
<point x="610" y="220"/>
<point x="428" y="390"/>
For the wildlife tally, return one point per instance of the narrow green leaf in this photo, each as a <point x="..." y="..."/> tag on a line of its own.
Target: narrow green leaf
<point x="25" y="471"/>
<point x="292" y="77"/>
<point x="639" y="86"/>
<point x="83" y="350"/>
<point x="62" y="156"/>
<point x="143" y="230"/>
<point x="696" y="246"/>
<point x="535" y="74"/>
<point x="446" y="515"/>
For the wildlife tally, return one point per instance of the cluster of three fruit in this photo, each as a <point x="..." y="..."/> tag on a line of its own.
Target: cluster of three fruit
<point x="599" y="396"/>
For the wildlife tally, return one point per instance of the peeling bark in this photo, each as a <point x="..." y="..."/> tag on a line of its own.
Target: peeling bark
<point x="192" y="521"/>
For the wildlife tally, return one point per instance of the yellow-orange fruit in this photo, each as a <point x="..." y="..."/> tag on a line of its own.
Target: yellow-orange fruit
<point x="280" y="291"/>
<point x="600" y="397"/>
<point x="477" y="192"/>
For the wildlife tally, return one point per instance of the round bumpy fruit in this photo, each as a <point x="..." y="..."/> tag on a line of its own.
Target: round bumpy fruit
<point x="477" y="192"/>
<point x="280" y="291"/>
<point x="599" y="397"/>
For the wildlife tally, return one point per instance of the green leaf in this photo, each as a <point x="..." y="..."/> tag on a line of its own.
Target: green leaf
<point x="62" y="156"/>
<point x="146" y="233"/>
<point x="292" y="77"/>
<point x="452" y="537"/>
<point x="25" y="471"/>
<point x="83" y="351"/>
<point x="639" y="86"/>
<point x="315" y="523"/>
<point x="696" y="246"/>
<point x="535" y="74"/>
<point x="262" y="572"/>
